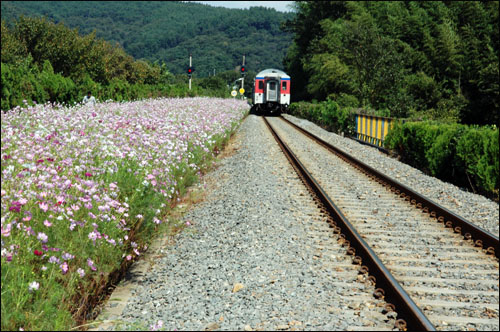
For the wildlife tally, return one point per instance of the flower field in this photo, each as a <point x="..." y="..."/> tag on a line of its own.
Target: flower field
<point x="84" y="186"/>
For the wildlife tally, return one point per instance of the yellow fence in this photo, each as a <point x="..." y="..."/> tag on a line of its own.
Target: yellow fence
<point x="372" y="129"/>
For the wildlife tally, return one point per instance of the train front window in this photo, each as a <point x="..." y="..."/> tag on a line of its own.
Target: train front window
<point x="261" y="85"/>
<point x="272" y="86"/>
<point x="283" y="86"/>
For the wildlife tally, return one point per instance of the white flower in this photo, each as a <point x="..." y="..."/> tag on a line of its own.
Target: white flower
<point x="93" y="236"/>
<point x="33" y="286"/>
<point x="42" y="237"/>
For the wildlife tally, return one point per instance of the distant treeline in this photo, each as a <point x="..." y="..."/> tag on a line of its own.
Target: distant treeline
<point x="169" y="30"/>
<point x="417" y="59"/>
<point x="43" y="61"/>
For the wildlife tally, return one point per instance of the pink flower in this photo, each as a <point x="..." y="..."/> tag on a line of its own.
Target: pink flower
<point x="81" y="272"/>
<point x="53" y="260"/>
<point x="67" y="256"/>
<point x="64" y="267"/>
<point x="129" y="257"/>
<point x="88" y="174"/>
<point x="156" y="326"/>
<point x="90" y="263"/>
<point x="44" y="206"/>
<point x="16" y="206"/>
<point x="93" y="236"/>
<point x="42" y="237"/>
<point x="6" y="230"/>
<point x="38" y="252"/>
<point x="47" y="223"/>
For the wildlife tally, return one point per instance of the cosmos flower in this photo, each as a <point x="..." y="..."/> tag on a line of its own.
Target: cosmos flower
<point x="33" y="286"/>
<point x="64" y="267"/>
<point x="42" y="237"/>
<point x="55" y="149"/>
<point x="81" y="272"/>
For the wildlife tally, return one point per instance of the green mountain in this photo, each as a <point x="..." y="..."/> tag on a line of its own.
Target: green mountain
<point x="169" y="31"/>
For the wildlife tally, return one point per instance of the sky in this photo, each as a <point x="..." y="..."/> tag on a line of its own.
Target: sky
<point x="282" y="6"/>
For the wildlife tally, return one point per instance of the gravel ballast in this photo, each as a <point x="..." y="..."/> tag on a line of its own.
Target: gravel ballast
<point x="475" y="208"/>
<point x="257" y="256"/>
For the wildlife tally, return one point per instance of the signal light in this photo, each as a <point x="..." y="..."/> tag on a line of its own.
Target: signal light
<point x="242" y="70"/>
<point x="190" y="70"/>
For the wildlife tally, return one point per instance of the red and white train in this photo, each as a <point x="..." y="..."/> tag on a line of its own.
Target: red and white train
<point x="271" y="92"/>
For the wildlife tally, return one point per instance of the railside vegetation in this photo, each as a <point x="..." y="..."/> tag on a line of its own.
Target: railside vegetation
<point x="463" y="155"/>
<point x="85" y="188"/>
<point x="435" y="60"/>
<point x="46" y="62"/>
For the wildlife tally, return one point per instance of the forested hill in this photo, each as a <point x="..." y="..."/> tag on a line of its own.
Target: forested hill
<point x="168" y="31"/>
<point x="422" y="59"/>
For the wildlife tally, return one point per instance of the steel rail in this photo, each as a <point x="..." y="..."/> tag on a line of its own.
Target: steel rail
<point x="481" y="237"/>
<point x="412" y="318"/>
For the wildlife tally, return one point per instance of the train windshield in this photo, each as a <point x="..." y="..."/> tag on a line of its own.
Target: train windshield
<point x="272" y="86"/>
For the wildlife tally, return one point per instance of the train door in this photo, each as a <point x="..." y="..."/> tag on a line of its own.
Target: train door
<point x="272" y="91"/>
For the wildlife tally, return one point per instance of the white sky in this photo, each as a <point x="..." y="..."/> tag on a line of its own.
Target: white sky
<point x="282" y="6"/>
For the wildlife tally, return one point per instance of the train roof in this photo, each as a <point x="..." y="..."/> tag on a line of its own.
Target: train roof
<point x="272" y="73"/>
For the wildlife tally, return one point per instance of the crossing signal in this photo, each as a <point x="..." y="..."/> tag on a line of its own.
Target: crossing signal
<point x="242" y="70"/>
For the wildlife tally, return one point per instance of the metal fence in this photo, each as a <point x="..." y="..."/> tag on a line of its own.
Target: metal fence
<point x="373" y="129"/>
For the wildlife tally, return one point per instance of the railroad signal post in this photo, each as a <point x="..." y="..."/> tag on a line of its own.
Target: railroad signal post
<point x="243" y="72"/>
<point x="190" y="69"/>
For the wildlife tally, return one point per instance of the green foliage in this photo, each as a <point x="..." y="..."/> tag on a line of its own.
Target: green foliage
<point x="38" y="70"/>
<point x="478" y="149"/>
<point x="429" y="60"/>
<point x="467" y="156"/>
<point x="168" y="31"/>
<point x="327" y="114"/>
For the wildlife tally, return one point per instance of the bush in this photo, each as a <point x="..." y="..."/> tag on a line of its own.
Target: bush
<point x="463" y="155"/>
<point x="327" y="114"/>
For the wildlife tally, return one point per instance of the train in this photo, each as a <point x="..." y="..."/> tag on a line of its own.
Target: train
<point x="271" y="92"/>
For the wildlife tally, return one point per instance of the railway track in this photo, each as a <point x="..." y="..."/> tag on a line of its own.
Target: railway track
<point x="435" y="277"/>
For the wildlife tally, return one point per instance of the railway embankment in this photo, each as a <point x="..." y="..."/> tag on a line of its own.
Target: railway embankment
<point x="259" y="255"/>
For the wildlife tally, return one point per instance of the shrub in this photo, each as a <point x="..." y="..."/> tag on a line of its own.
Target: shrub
<point x="327" y="114"/>
<point x="466" y="156"/>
